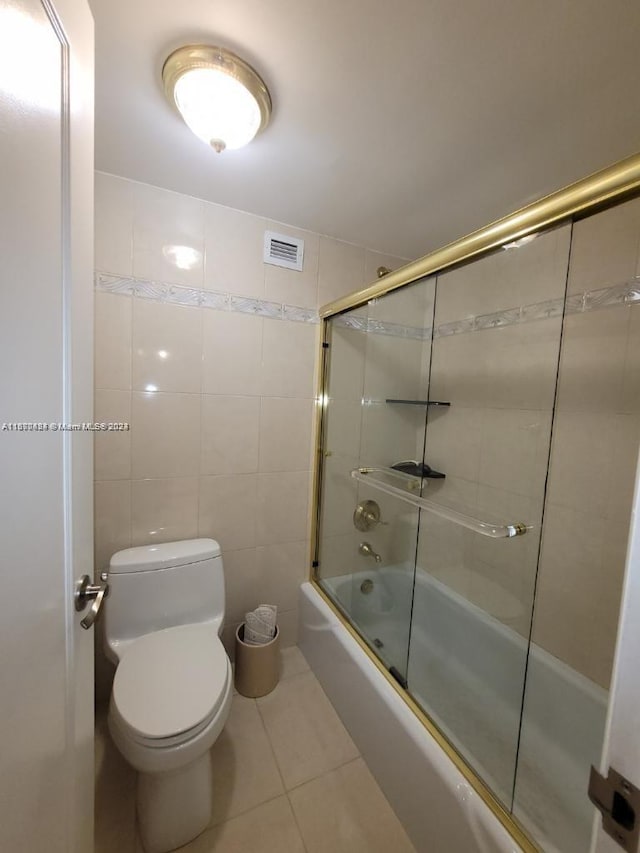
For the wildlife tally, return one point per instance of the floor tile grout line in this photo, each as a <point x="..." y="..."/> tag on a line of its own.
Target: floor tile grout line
<point x="271" y="746"/>
<point x="244" y="812"/>
<point x="324" y="773"/>
<point x="275" y="758"/>
<point x="297" y="823"/>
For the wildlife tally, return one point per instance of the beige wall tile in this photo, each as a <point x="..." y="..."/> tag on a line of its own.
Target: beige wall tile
<point x="594" y="351"/>
<point x="521" y="364"/>
<point x="534" y="272"/>
<point x="338" y="554"/>
<point x="282" y="507"/>
<point x="167" y="347"/>
<point x="453" y="443"/>
<point x="164" y="510"/>
<point x="390" y="432"/>
<point x="625" y="441"/>
<point x="246" y="773"/>
<point x="242" y="583"/>
<point x="113" y="341"/>
<point x="341" y="269"/>
<point x="459" y="370"/>
<point x="230" y="434"/>
<point x="468" y="291"/>
<point x="373" y="260"/>
<point x="231" y="353"/>
<point x="112" y="520"/>
<point x="288" y="358"/>
<point x="281" y="570"/>
<point x="112" y="449"/>
<point x="514" y="450"/>
<point x="227" y="510"/>
<point x="577" y="594"/>
<point x="168" y="236"/>
<point x="285" y="434"/>
<point x="346" y="810"/>
<point x="581" y="459"/>
<point x="165" y="435"/>
<point x="294" y="287"/>
<point x="393" y="368"/>
<point x="409" y="306"/>
<point x="113" y="226"/>
<point x="604" y="248"/>
<point x="348" y="350"/>
<point x="305" y="731"/>
<point x="344" y="426"/>
<point x="340" y="495"/>
<point x="234" y="249"/>
<point x="288" y="627"/>
<point x="631" y="381"/>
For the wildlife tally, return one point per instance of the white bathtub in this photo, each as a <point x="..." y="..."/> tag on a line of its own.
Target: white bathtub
<point x="455" y="643"/>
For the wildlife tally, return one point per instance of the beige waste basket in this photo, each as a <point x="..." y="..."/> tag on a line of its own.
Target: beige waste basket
<point x="257" y="667"/>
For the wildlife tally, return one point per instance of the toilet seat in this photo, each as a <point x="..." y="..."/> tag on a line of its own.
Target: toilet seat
<point x="170" y="684"/>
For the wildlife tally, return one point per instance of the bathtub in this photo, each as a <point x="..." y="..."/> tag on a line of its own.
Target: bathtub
<point x="455" y="643"/>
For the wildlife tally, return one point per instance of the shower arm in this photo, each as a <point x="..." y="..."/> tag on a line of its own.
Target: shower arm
<point x="371" y="477"/>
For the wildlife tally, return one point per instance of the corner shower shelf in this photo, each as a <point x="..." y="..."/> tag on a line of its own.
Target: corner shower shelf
<point x="410" y="493"/>
<point x="418" y="402"/>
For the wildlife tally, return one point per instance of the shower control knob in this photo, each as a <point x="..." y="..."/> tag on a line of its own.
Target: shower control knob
<point x="366" y="516"/>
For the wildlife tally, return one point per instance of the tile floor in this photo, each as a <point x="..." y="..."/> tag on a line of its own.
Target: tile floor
<point x="287" y="779"/>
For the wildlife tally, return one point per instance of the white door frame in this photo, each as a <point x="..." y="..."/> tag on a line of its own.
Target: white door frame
<point x="46" y="658"/>
<point x="622" y="739"/>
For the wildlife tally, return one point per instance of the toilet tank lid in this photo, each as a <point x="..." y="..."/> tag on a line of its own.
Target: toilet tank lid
<point x="163" y="556"/>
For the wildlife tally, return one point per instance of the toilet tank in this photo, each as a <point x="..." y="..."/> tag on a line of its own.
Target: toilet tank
<point x="160" y="586"/>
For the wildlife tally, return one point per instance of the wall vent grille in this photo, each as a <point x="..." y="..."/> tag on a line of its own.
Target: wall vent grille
<point x="283" y="251"/>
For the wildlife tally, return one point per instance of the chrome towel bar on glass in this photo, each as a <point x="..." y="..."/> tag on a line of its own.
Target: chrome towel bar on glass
<point x="409" y="492"/>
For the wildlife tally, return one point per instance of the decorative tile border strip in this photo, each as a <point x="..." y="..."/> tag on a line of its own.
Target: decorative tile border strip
<point x="177" y="295"/>
<point x="625" y="293"/>
<point x="628" y="292"/>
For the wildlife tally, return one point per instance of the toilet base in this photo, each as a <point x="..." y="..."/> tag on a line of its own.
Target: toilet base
<point x="175" y="807"/>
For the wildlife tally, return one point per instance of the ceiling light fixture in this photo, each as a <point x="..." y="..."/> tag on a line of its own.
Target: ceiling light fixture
<point x="220" y="97"/>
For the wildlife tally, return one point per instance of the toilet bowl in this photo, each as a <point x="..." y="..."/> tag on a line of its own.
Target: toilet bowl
<point x="173" y="683"/>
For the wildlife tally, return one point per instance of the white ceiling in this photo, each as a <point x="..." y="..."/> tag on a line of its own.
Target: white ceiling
<point x="397" y="125"/>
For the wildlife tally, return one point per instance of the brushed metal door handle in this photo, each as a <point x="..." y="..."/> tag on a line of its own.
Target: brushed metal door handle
<point x="85" y="592"/>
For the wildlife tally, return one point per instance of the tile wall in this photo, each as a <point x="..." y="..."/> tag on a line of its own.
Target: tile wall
<point x="493" y="441"/>
<point x="594" y="452"/>
<point x="374" y="358"/>
<point x="220" y="402"/>
<point x="500" y="340"/>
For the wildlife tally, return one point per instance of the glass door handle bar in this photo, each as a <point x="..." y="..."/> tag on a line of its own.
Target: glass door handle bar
<point x="374" y="477"/>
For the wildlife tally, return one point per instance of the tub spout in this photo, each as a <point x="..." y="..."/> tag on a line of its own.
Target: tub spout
<point x="367" y="551"/>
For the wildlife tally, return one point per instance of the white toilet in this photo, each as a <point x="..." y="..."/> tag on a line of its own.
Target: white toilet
<point x="173" y="684"/>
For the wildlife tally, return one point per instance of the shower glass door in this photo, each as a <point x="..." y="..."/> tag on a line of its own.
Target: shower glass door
<point x="375" y="414"/>
<point x="480" y="437"/>
<point x="496" y="341"/>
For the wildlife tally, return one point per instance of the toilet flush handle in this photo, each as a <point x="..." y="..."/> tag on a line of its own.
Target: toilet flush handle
<point x="85" y="592"/>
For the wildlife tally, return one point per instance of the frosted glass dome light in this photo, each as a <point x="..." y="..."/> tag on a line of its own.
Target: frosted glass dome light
<point x="221" y="98"/>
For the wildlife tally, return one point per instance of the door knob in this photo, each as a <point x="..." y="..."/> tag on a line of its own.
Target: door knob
<point x="85" y="592"/>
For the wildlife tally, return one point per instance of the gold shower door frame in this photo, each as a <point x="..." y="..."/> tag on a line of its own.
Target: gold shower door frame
<point x="604" y="188"/>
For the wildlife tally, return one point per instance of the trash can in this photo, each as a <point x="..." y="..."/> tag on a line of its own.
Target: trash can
<point x="257" y="667"/>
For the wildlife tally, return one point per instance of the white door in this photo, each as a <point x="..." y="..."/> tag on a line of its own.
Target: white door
<point x="46" y="329"/>
<point x="622" y="741"/>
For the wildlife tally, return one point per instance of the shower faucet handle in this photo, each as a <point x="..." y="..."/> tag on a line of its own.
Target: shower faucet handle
<point x="367" y="551"/>
<point x="367" y="516"/>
